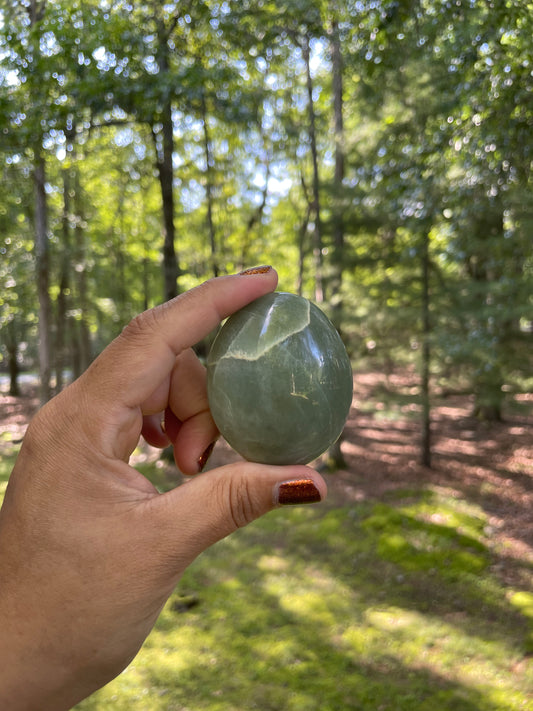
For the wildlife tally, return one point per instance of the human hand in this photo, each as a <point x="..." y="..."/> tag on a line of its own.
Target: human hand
<point x="89" y="550"/>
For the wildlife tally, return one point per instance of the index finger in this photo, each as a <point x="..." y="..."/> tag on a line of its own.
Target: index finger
<point x="140" y="360"/>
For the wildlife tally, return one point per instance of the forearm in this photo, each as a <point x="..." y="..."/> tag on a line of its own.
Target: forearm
<point x="31" y="678"/>
<point x="34" y="675"/>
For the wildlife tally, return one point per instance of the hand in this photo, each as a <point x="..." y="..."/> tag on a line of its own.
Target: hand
<point x="89" y="550"/>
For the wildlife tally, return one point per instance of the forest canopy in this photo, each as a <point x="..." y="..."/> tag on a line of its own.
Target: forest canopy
<point x="378" y="153"/>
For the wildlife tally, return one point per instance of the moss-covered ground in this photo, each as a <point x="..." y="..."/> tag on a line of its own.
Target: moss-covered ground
<point x="409" y="592"/>
<point x="376" y="606"/>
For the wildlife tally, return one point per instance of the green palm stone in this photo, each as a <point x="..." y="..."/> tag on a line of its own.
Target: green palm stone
<point x="279" y="381"/>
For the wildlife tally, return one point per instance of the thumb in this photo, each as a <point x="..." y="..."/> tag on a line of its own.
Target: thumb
<point x="209" y="507"/>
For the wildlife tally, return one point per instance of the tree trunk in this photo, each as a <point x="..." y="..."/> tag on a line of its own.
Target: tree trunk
<point x="257" y="215"/>
<point x="82" y="355"/>
<point x="166" y="178"/>
<point x="36" y="12"/>
<point x="335" y="457"/>
<point x="425" y="450"/>
<point x="338" y="218"/>
<point x="302" y="232"/>
<point x="121" y="293"/>
<point x="164" y="150"/>
<point x="317" y="232"/>
<point x="146" y="284"/>
<point x="146" y="240"/>
<point x="14" y="388"/>
<point x="208" y="157"/>
<point x="12" y="359"/>
<point x="492" y="328"/>
<point x="43" y="275"/>
<point x="488" y="394"/>
<point x="165" y="172"/>
<point x="64" y="282"/>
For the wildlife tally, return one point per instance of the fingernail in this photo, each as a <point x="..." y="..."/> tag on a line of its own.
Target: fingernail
<point x="302" y="491"/>
<point x="263" y="269"/>
<point x="205" y="456"/>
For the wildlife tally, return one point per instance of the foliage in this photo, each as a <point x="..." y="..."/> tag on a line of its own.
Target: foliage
<point x="436" y="149"/>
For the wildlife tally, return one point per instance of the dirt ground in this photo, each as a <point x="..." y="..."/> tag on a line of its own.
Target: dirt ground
<point x="490" y="464"/>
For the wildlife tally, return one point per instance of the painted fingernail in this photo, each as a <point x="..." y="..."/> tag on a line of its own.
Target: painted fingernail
<point x="205" y="456"/>
<point x="303" y="491"/>
<point x="263" y="269"/>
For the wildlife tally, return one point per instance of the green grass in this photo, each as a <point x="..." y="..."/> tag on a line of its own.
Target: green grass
<point x="376" y="606"/>
<point x="390" y="605"/>
<point x="372" y="607"/>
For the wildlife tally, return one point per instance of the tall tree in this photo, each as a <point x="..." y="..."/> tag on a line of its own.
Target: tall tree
<point x="338" y="259"/>
<point x="17" y="280"/>
<point x="36" y="12"/>
<point x="164" y="143"/>
<point x="209" y="187"/>
<point x="425" y="364"/>
<point x="316" y="201"/>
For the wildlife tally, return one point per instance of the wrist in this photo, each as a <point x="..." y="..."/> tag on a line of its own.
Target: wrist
<point x="30" y="678"/>
<point x="32" y="675"/>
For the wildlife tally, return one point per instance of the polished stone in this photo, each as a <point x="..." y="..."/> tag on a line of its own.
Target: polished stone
<point x="279" y="381"/>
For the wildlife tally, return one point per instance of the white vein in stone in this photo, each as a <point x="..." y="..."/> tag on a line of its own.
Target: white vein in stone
<point x="270" y="335"/>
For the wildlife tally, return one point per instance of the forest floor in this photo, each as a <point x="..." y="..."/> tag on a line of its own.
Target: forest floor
<point x="490" y="464"/>
<point x="409" y="589"/>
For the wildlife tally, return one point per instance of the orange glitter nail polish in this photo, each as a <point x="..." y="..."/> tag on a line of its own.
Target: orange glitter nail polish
<point x="264" y="269"/>
<point x="303" y="491"/>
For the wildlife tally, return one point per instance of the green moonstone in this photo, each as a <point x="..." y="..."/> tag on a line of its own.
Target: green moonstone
<point x="279" y="381"/>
